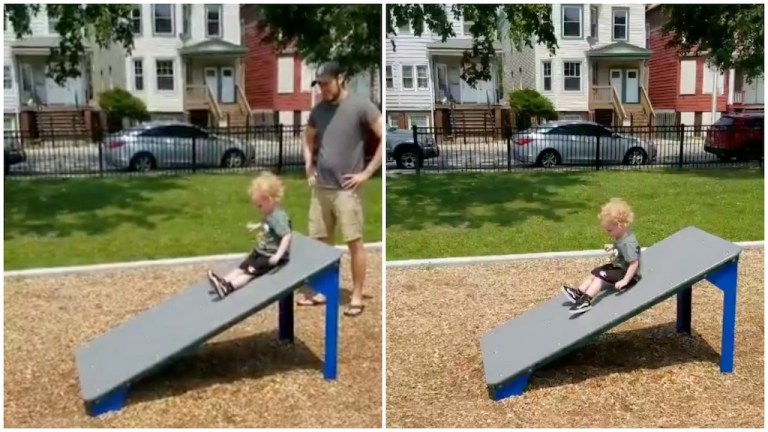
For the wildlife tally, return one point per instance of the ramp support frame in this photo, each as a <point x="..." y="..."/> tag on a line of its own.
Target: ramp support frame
<point x="515" y="387"/>
<point x="112" y="401"/>
<point x="326" y="282"/>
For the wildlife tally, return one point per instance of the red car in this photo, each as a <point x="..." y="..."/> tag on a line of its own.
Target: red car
<point x="737" y="136"/>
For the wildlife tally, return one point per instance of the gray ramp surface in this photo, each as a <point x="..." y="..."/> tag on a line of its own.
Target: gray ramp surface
<point x="189" y="318"/>
<point x="531" y="339"/>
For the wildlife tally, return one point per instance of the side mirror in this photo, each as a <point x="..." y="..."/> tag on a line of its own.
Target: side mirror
<point x="615" y="135"/>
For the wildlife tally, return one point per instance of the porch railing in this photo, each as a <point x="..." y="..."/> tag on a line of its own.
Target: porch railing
<point x="245" y="107"/>
<point x="200" y="96"/>
<point x="738" y="97"/>
<point x="645" y="102"/>
<point x="600" y="95"/>
<point x="618" y="108"/>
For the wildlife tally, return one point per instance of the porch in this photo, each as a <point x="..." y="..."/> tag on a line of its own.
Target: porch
<point x="213" y="92"/>
<point x="748" y="96"/>
<point x="619" y="81"/>
<point x="445" y="64"/>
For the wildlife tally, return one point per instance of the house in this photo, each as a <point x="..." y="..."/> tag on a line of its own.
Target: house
<point x="600" y="69"/>
<point x="187" y="63"/>
<point x="34" y="103"/>
<point x="278" y="84"/>
<point x="681" y="85"/>
<point x="424" y="85"/>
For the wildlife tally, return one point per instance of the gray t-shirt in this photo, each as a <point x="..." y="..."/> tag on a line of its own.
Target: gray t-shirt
<point x="628" y="249"/>
<point x="272" y="230"/>
<point x="341" y="131"/>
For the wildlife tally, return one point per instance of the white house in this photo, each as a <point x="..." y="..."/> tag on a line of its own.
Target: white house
<point x="600" y="68"/>
<point x="25" y="82"/>
<point x="186" y="61"/>
<point x="423" y="76"/>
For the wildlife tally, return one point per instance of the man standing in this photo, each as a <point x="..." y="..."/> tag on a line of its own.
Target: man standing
<point x="334" y="149"/>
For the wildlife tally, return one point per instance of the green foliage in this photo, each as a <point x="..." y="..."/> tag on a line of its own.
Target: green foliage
<point x="731" y="33"/>
<point x="528" y="103"/>
<point x="526" y="25"/>
<point x="77" y="26"/>
<point x="349" y="34"/>
<point x="119" y="104"/>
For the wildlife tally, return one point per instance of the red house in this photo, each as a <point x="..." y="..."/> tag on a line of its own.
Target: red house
<point x="681" y="85"/>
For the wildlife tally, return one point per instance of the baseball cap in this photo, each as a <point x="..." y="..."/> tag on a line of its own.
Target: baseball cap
<point x="327" y="70"/>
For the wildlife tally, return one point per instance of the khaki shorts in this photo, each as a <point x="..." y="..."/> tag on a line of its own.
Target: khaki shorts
<point x="329" y="208"/>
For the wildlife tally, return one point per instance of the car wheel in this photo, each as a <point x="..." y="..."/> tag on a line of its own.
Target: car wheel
<point x="143" y="162"/>
<point x="636" y="156"/>
<point x="233" y="159"/>
<point x="548" y="159"/>
<point x="408" y="158"/>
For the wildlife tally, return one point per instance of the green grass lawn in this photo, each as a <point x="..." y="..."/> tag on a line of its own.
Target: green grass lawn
<point x="505" y="213"/>
<point x="90" y="220"/>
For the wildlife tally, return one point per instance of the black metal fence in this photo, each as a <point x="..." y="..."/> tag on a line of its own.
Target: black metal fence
<point x="164" y="150"/>
<point x="578" y="147"/>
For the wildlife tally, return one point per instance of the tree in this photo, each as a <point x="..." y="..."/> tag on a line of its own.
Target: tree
<point x="732" y="34"/>
<point x="529" y="25"/>
<point x="528" y="104"/>
<point x="349" y="34"/>
<point x="76" y="24"/>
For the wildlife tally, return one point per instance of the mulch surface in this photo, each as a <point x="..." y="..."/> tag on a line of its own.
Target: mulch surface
<point x="640" y="374"/>
<point x="241" y="378"/>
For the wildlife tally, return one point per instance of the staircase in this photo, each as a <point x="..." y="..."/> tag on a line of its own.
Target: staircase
<point x="61" y="123"/>
<point x="473" y="122"/>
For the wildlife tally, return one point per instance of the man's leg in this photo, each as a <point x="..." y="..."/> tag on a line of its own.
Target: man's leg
<point x="350" y="215"/>
<point x="322" y="224"/>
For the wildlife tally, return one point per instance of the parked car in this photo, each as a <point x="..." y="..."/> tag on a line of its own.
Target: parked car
<point x="169" y="144"/>
<point x="739" y="136"/>
<point x="405" y="153"/>
<point x="14" y="152"/>
<point x="575" y="142"/>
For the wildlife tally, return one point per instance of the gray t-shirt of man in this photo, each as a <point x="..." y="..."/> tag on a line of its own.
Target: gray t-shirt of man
<point x="628" y="249"/>
<point x="341" y="131"/>
<point x="271" y="232"/>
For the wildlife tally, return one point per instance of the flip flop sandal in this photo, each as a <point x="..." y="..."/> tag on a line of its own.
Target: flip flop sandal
<point x="306" y="302"/>
<point x="354" y="310"/>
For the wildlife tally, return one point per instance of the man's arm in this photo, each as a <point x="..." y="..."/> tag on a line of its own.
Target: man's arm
<point x="310" y="135"/>
<point x="375" y="163"/>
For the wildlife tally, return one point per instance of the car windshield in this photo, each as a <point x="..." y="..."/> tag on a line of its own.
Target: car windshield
<point x="542" y="128"/>
<point x="723" y="123"/>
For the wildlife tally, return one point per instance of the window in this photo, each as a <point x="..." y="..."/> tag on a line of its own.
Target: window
<point x="136" y="20"/>
<point x="7" y="78"/>
<point x="419" y="120"/>
<point x="162" y="19"/>
<point x="467" y="28"/>
<point x="404" y="29"/>
<point x="307" y="75"/>
<point x="706" y="85"/>
<point x="572" y="76"/>
<point x="164" y="71"/>
<point x="422" y="82"/>
<point x="285" y="74"/>
<point x="594" y="14"/>
<point x="572" y="21"/>
<point x="52" y="23"/>
<point x="186" y="16"/>
<point x="138" y="74"/>
<point x="620" y="24"/>
<point x="392" y="120"/>
<point x="390" y="78"/>
<point x="213" y="20"/>
<point x="407" y="78"/>
<point x="688" y="71"/>
<point x="546" y="72"/>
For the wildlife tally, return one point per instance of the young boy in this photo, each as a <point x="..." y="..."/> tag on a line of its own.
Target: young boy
<point x="273" y="237"/>
<point x="624" y="269"/>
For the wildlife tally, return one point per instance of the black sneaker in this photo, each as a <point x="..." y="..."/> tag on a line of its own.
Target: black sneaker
<point x="583" y="304"/>
<point x="222" y="287"/>
<point x="572" y="293"/>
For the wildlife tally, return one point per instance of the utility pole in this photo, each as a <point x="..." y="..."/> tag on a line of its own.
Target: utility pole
<point x="714" y="96"/>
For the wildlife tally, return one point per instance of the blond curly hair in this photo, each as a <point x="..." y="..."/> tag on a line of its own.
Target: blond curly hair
<point x="267" y="184"/>
<point x="618" y="212"/>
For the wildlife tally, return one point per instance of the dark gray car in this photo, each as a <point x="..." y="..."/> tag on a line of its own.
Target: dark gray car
<point x="405" y="153"/>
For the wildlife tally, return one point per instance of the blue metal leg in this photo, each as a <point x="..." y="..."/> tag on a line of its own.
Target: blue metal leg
<point x="515" y="388"/>
<point x="727" y="280"/>
<point x="285" y="318"/>
<point x="327" y="283"/>
<point x="684" y="311"/>
<point x="114" y="401"/>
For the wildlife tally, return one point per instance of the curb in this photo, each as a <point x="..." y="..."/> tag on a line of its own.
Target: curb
<point x="497" y="259"/>
<point x="48" y="271"/>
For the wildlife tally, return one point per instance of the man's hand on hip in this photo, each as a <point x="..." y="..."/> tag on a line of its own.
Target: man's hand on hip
<point x="354" y="181"/>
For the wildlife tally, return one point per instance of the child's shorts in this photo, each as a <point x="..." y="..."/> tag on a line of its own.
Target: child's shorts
<point x="612" y="274"/>
<point x="256" y="264"/>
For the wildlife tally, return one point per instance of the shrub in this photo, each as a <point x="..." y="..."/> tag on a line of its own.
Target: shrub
<point x="120" y="105"/>
<point x="528" y="104"/>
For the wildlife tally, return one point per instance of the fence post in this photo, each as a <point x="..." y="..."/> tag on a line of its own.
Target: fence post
<point x="418" y="149"/>
<point x="279" y="148"/>
<point x="597" y="155"/>
<point x="508" y="133"/>
<point x="194" y="154"/>
<point x="681" y="136"/>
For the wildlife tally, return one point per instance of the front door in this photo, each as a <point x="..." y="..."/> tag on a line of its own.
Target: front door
<point x="617" y="82"/>
<point x="212" y="81"/>
<point x="442" y="81"/>
<point x="227" y="85"/>
<point x="633" y="86"/>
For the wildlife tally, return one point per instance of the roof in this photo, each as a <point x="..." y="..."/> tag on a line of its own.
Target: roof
<point x="213" y="47"/>
<point x="44" y="43"/>
<point x="620" y="50"/>
<point x="456" y="44"/>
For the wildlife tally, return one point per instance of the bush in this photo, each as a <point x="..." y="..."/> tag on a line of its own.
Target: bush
<point x="528" y="104"/>
<point x="120" y="105"/>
